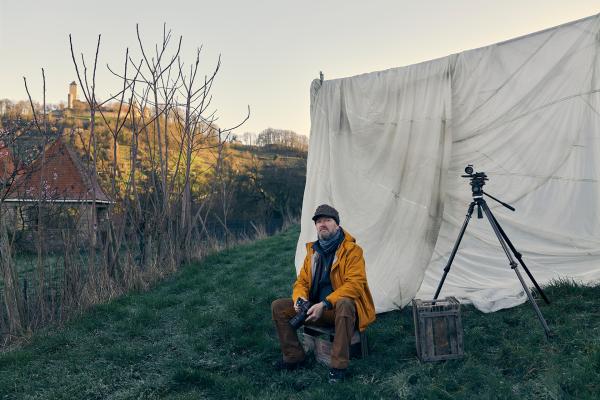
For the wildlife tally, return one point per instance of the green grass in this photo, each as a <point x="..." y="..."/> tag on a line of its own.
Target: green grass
<point x="207" y="333"/>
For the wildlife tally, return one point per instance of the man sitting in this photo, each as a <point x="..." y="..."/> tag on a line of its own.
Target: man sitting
<point x="334" y="280"/>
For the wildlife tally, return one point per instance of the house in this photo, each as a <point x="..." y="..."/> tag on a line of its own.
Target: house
<point x="7" y="164"/>
<point x="68" y="192"/>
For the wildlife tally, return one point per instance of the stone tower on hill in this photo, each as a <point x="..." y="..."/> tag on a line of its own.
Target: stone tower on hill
<point x="72" y="97"/>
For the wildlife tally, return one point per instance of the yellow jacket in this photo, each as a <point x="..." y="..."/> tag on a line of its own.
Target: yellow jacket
<point x="348" y="278"/>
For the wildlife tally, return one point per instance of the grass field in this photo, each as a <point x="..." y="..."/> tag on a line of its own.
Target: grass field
<point x="207" y="334"/>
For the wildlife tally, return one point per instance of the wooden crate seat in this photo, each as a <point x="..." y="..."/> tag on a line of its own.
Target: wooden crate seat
<point x="319" y="340"/>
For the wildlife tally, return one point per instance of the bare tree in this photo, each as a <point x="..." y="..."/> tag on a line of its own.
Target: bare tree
<point x="41" y="304"/>
<point x="181" y="101"/>
<point x="176" y="179"/>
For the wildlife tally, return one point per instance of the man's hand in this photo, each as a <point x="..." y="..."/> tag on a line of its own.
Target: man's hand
<point x="315" y="312"/>
<point x="296" y="304"/>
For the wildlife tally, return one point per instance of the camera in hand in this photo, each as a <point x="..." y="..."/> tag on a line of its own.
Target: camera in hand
<point x="297" y="320"/>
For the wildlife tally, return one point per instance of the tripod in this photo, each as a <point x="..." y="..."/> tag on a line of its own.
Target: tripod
<point x="477" y="181"/>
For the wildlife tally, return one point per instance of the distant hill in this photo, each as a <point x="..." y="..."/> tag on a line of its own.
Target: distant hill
<point x="264" y="182"/>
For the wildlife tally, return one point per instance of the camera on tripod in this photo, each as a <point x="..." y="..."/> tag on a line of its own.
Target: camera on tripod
<point x="477" y="180"/>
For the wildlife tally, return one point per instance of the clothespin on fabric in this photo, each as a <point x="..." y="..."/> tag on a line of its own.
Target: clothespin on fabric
<point x="321" y="76"/>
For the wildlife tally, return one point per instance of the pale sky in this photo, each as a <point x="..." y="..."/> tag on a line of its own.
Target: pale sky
<point x="271" y="50"/>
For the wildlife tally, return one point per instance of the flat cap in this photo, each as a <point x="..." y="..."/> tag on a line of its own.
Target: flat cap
<point x="325" y="210"/>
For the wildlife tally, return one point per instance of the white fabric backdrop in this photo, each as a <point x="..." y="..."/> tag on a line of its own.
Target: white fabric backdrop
<point x="387" y="150"/>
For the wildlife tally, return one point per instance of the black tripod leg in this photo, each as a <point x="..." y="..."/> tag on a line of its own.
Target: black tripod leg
<point x="515" y="267"/>
<point x="454" y="250"/>
<point x="520" y="258"/>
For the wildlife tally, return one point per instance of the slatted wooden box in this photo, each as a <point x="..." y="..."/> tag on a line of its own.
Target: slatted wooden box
<point x="319" y="340"/>
<point x="438" y="329"/>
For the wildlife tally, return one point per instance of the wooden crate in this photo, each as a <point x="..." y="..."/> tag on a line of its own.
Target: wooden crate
<point x="319" y="340"/>
<point x="438" y="329"/>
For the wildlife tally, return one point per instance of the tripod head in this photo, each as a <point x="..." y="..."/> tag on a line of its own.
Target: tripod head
<point x="477" y="180"/>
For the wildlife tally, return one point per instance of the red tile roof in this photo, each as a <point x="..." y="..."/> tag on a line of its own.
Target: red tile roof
<point x="7" y="162"/>
<point x="63" y="179"/>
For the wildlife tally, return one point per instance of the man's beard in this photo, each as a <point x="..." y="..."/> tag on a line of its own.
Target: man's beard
<point x="326" y="235"/>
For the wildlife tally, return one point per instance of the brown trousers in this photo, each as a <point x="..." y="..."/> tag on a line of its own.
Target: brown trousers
<point x="342" y="317"/>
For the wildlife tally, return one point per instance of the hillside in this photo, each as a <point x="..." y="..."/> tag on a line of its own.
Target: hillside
<point x="207" y="333"/>
<point x="257" y="183"/>
<point x="74" y="126"/>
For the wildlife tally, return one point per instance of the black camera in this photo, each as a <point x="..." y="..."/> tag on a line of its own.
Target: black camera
<point x="477" y="180"/>
<point x="297" y="320"/>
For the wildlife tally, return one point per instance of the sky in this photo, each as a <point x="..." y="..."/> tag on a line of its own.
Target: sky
<point x="270" y="50"/>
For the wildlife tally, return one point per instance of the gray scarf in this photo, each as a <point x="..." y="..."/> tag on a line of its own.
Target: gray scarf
<point x="329" y="245"/>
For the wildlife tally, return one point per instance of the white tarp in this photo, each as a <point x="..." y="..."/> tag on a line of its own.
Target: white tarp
<point x="387" y="150"/>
